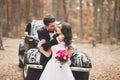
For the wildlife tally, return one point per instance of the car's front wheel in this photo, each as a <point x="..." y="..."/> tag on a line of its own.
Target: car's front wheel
<point x="25" y="72"/>
<point x="25" y="68"/>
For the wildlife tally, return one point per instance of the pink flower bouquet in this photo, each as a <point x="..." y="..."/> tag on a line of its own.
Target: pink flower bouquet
<point x="62" y="56"/>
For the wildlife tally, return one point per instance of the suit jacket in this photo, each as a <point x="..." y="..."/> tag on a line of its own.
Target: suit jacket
<point x="44" y="34"/>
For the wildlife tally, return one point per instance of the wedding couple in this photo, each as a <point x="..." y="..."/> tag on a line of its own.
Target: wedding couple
<point x="52" y="38"/>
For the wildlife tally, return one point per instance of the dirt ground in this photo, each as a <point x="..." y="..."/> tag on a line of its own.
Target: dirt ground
<point x="105" y="61"/>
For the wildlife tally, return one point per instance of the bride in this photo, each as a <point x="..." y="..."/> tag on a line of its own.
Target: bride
<point x="53" y="71"/>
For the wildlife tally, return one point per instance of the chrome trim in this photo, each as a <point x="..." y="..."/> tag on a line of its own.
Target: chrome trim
<point x="35" y="66"/>
<point x="80" y="69"/>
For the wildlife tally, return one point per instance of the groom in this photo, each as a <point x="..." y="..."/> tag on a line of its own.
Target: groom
<point x="48" y="33"/>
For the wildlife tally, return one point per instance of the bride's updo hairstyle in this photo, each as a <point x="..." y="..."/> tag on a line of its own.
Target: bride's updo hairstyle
<point x="67" y="32"/>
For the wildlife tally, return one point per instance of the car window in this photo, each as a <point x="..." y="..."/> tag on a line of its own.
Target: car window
<point x="36" y="25"/>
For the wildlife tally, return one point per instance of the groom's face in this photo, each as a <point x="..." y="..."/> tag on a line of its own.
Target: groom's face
<point x="51" y="26"/>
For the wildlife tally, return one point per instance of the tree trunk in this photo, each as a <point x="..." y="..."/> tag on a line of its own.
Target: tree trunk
<point x="118" y="22"/>
<point x="114" y="32"/>
<point x="101" y="21"/>
<point x="4" y="20"/>
<point x="17" y="18"/>
<point x="23" y="11"/>
<point x="37" y="9"/>
<point x="34" y="8"/>
<point x="41" y="9"/>
<point x="9" y="20"/>
<point x="81" y="22"/>
<point x="61" y="10"/>
<point x="109" y="21"/>
<point x="54" y="7"/>
<point x="14" y="18"/>
<point x="1" y="14"/>
<point x="95" y="23"/>
<point x="1" y="44"/>
<point x="65" y="11"/>
<point x="27" y="10"/>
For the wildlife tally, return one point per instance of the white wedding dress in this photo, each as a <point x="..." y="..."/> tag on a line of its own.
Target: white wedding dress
<point x="53" y="71"/>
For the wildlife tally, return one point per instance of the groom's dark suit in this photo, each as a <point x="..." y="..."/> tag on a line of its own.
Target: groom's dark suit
<point x="43" y="33"/>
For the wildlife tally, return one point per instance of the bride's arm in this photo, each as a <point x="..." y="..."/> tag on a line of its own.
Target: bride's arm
<point x="70" y="49"/>
<point x="46" y="53"/>
<point x="39" y="46"/>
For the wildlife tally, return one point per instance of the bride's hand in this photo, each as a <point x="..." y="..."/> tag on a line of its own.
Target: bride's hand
<point x="41" y="49"/>
<point x="40" y="43"/>
<point x="61" y="37"/>
<point x="70" y="50"/>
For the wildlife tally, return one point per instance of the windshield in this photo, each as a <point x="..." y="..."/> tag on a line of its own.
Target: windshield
<point x="36" y="25"/>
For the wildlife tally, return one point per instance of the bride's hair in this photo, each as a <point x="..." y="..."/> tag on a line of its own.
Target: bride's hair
<point x="67" y="32"/>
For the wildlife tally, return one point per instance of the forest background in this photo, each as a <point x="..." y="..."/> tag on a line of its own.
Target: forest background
<point x="96" y="21"/>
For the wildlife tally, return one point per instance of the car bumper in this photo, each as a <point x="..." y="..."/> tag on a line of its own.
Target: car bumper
<point x="72" y="68"/>
<point x="34" y="66"/>
<point x="80" y="69"/>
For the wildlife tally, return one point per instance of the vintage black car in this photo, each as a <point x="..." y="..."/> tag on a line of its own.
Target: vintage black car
<point x="29" y="56"/>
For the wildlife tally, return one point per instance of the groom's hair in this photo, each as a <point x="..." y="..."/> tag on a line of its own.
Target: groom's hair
<point x="48" y="19"/>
